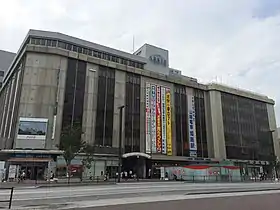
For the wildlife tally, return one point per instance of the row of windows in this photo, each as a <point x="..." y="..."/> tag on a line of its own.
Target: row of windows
<point x="132" y="113"/>
<point x="105" y="106"/>
<point x="246" y="128"/>
<point x="86" y="51"/>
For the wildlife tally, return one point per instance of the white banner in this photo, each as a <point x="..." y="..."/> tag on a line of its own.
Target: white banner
<point x="153" y="118"/>
<point x="192" y="129"/>
<point x="163" y="120"/>
<point x="148" y="118"/>
<point x="32" y="128"/>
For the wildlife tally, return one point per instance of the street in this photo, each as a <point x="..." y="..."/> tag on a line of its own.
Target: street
<point x="161" y="195"/>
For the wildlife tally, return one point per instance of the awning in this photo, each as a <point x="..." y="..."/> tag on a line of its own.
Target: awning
<point x="37" y="160"/>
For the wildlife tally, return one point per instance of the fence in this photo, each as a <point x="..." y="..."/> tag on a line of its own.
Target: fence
<point x="11" y="196"/>
<point x="220" y="178"/>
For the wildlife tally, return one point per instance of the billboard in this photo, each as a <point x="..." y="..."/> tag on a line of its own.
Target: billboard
<point x="32" y="128"/>
<point x="158" y="113"/>
<point x="192" y="129"/>
<point x="168" y="122"/>
<point x="148" y="118"/>
<point x="163" y="120"/>
<point x="153" y="118"/>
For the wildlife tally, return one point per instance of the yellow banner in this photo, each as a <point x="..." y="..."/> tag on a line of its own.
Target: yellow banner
<point x="168" y="122"/>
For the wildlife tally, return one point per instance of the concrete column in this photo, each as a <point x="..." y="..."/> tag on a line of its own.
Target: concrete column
<point x="217" y="125"/>
<point x="273" y="128"/>
<point x="119" y="100"/>
<point x="209" y="131"/>
<point x="90" y="103"/>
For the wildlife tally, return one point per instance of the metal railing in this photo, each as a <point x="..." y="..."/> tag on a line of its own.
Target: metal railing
<point x="11" y="196"/>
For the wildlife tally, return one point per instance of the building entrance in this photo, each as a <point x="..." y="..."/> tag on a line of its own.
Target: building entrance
<point x="135" y="164"/>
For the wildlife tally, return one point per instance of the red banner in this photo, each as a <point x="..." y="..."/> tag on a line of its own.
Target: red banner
<point x="158" y="117"/>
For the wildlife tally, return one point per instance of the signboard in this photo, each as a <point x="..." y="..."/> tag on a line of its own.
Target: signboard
<point x="168" y="122"/>
<point x="158" y="113"/>
<point x="163" y="120"/>
<point x="148" y="118"/>
<point x="158" y="119"/>
<point x="32" y="128"/>
<point x="153" y="118"/>
<point x="192" y="130"/>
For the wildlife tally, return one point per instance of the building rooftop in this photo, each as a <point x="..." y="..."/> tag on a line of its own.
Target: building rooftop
<point x="6" y="58"/>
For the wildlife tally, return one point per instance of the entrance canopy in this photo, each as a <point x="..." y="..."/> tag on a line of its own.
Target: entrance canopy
<point x="135" y="154"/>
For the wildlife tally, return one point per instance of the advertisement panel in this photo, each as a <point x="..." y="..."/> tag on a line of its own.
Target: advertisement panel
<point x="163" y="120"/>
<point x="32" y="128"/>
<point x="148" y="118"/>
<point x="192" y="130"/>
<point x="168" y="122"/>
<point x="153" y="118"/>
<point x="158" y="113"/>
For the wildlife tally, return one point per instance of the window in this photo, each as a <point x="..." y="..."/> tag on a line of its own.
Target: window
<point x="49" y="42"/>
<point x="132" y="113"/>
<point x="62" y="45"/>
<point x="74" y="94"/>
<point x="105" y="106"/>
<point x="2" y="73"/>
<point x="246" y="128"/>
<point x="86" y="51"/>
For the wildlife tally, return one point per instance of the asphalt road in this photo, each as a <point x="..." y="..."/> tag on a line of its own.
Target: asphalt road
<point x="86" y="197"/>
<point x="247" y="202"/>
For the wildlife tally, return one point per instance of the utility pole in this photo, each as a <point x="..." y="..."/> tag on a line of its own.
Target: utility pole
<point x="120" y="143"/>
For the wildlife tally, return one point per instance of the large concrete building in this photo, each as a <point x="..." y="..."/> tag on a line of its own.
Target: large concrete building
<point x="6" y="59"/>
<point x="169" y="119"/>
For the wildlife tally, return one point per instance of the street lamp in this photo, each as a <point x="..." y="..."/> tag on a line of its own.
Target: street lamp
<point x="120" y="142"/>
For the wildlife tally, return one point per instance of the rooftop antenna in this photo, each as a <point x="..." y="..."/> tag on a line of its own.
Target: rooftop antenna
<point x="133" y="44"/>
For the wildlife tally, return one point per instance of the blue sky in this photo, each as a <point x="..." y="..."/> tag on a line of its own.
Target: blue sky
<point x="234" y="41"/>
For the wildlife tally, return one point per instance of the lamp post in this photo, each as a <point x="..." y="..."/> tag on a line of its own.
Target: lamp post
<point x="120" y="142"/>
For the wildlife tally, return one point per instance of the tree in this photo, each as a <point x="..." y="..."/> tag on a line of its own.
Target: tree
<point x="88" y="156"/>
<point x="72" y="144"/>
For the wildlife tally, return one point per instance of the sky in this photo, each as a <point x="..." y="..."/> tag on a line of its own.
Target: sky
<point x="235" y="42"/>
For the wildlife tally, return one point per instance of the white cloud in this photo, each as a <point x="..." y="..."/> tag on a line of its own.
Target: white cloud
<point x="238" y="41"/>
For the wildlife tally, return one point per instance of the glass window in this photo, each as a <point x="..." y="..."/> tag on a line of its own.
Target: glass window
<point x="69" y="47"/>
<point x="42" y="42"/>
<point x="75" y="48"/>
<point x="54" y="43"/>
<point x="49" y="42"/>
<point x="62" y="45"/>
<point x="32" y="41"/>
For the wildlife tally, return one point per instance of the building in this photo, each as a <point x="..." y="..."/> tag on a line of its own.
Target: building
<point x="169" y="119"/>
<point x="6" y="59"/>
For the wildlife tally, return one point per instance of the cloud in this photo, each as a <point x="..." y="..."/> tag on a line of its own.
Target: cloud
<point x="236" y="41"/>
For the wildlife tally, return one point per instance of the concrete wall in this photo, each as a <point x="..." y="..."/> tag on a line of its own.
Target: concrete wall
<point x="272" y="127"/>
<point x="214" y="123"/>
<point x="119" y="100"/>
<point x="90" y="102"/>
<point x="43" y="75"/>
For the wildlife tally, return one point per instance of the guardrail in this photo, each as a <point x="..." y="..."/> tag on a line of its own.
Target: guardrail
<point x="11" y="196"/>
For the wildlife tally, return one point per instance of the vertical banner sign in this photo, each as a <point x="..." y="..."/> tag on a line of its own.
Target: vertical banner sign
<point x="153" y="118"/>
<point x="163" y="120"/>
<point x="148" y="118"/>
<point x="168" y="122"/>
<point x="192" y="130"/>
<point x="158" y="113"/>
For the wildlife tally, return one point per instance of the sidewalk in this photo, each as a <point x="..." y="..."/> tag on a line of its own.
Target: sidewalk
<point x="60" y="183"/>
